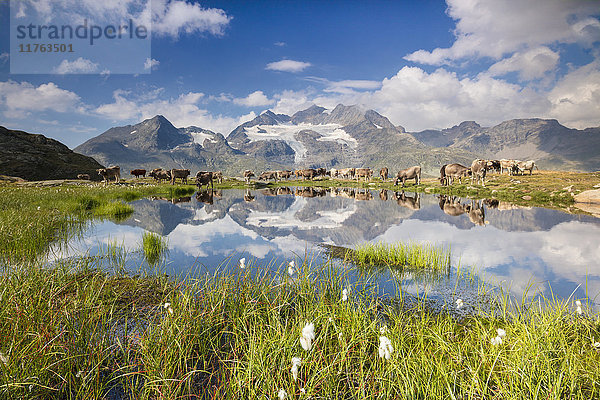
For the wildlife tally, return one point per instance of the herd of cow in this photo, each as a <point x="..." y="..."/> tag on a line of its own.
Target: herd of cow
<point x="448" y="173"/>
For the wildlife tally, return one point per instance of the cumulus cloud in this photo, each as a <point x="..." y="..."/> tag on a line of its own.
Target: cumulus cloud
<point x="345" y="86"/>
<point x="489" y="28"/>
<point x="575" y="99"/>
<point x="78" y="66"/>
<point x="255" y="99"/>
<point x="288" y="66"/>
<point x="19" y="99"/>
<point x="172" y="18"/>
<point x="182" y="111"/>
<point x="151" y="64"/>
<point x="279" y="44"/>
<point x="531" y="64"/>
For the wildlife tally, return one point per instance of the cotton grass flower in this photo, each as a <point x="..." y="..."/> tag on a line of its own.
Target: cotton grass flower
<point x="308" y="335"/>
<point x="383" y="330"/>
<point x="385" y="347"/>
<point x="579" y="309"/>
<point x="459" y="304"/>
<point x="281" y="394"/>
<point x="295" y="364"/>
<point x="501" y="332"/>
<point x="596" y="345"/>
<point x="291" y="268"/>
<point x="302" y="390"/>
<point x="242" y="263"/>
<point x="345" y="295"/>
<point x="3" y="359"/>
<point x="496" y="341"/>
<point x="167" y="307"/>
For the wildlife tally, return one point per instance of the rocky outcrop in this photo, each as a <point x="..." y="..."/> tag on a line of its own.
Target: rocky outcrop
<point x="35" y="157"/>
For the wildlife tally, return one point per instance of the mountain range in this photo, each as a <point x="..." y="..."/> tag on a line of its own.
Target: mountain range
<point x="342" y="137"/>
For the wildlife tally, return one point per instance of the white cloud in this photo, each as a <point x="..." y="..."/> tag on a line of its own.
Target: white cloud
<point x="345" y="86"/>
<point x="182" y="111"/>
<point x="19" y="99"/>
<point x="79" y="66"/>
<point x="491" y="28"/>
<point x="21" y="13"/>
<point x="531" y="64"/>
<point x="172" y="18"/>
<point x="151" y="64"/>
<point x="288" y="66"/>
<point x="576" y="97"/>
<point x="255" y="99"/>
<point x="279" y="44"/>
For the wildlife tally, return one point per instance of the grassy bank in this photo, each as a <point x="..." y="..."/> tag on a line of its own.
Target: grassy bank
<point x="33" y="217"/>
<point x="79" y="332"/>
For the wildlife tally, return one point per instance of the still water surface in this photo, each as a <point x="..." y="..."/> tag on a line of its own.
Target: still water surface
<point x="524" y="250"/>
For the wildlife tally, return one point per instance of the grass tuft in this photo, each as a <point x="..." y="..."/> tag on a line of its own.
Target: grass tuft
<point x="154" y="247"/>
<point x="400" y="255"/>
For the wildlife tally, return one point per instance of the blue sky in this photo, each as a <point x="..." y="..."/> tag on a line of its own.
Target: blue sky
<point x="423" y="64"/>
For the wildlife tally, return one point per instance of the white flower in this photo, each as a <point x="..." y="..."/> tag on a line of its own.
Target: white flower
<point x="578" y="303"/>
<point x="385" y="347"/>
<point x="579" y="310"/>
<point x="302" y="390"/>
<point x="291" y="269"/>
<point x="459" y="303"/>
<point x="330" y="319"/>
<point x="596" y="345"/>
<point x="383" y="330"/>
<point x="501" y="332"/>
<point x="3" y="359"/>
<point x="242" y="263"/>
<point x="281" y="394"/>
<point x="496" y="341"/>
<point x="295" y="364"/>
<point x="78" y="374"/>
<point x="167" y="306"/>
<point x="344" y="294"/>
<point x="340" y="336"/>
<point x="39" y="208"/>
<point x="308" y="335"/>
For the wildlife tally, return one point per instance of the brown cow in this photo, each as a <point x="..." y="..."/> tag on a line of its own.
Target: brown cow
<point x="409" y="173"/>
<point x="450" y="172"/>
<point x="383" y="194"/>
<point x="205" y="196"/>
<point x="204" y="178"/>
<point x="363" y="194"/>
<point x="523" y="166"/>
<point x="366" y="173"/>
<point x="309" y="173"/>
<point x="476" y="213"/>
<point x="284" y="190"/>
<point x="247" y="175"/>
<point x="138" y="172"/>
<point x="347" y="173"/>
<point x="160" y="174"/>
<point x="494" y="165"/>
<point x="179" y="173"/>
<point x="451" y="205"/>
<point x="284" y="174"/>
<point x="321" y="172"/>
<point x="107" y="173"/>
<point x="383" y="173"/>
<point x="83" y="176"/>
<point x="508" y="165"/>
<point x="334" y="172"/>
<point x="248" y="197"/>
<point x="267" y="175"/>
<point x="414" y="203"/>
<point x="478" y="170"/>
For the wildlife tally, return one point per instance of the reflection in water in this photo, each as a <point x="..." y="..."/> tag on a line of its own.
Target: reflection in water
<point x="512" y="246"/>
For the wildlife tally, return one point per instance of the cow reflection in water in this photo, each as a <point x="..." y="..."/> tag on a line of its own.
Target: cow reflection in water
<point x="452" y="206"/>
<point x="205" y="196"/>
<point x="383" y="195"/>
<point x="248" y="196"/>
<point x="185" y="199"/>
<point x="283" y="191"/>
<point x="414" y="203"/>
<point x="311" y="192"/>
<point x="363" y="194"/>
<point x="269" y="192"/>
<point x="346" y="193"/>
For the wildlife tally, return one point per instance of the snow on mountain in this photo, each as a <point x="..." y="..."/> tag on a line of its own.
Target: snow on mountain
<point x="200" y="137"/>
<point x="287" y="132"/>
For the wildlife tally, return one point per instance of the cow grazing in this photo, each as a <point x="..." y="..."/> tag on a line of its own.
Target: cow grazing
<point x="83" y="177"/>
<point x="523" y="166"/>
<point x="347" y="173"/>
<point x="218" y="176"/>
<point x="478" y="170"/>
<point x="413" y="203"/>
<point x="268" y="175"/>
<point x="409" y="173"/>
<point x="309" y="173"/>
<point x="160" y="174"/>
<point x="494" y="165"/>
<point x="110" y="172"/>
<point x="247" y="175"/>
<point x="204" y="178"/>
<point x="321" y="172"/>
<point x="509" y="165"/>
<point x="366" y="173"/>
<point x="284" y="174"/>
<point x="450" y="172"/>
<point x="333" y="172"/>
<point x="179" y="174"/>
<point x="138" y="172"/>
<point x="383" y="173"/>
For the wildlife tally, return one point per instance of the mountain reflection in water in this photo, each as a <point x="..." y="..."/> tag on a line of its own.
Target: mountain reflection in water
<point x="505" y="244"/>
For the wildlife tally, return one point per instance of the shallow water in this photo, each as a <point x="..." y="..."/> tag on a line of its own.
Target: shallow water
<point x="524" y="250"/>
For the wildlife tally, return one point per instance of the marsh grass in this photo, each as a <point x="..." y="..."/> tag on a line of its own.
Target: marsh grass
<point x="154" y="247"/>
<point x="401" y="255"/>
<point x="81" y="332"/>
